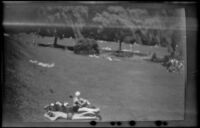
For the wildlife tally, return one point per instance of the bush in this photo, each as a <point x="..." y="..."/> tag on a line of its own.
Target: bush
<point x="86" y="46"/>
<point x="122" y="54"/>
<point x="154" y="57"/>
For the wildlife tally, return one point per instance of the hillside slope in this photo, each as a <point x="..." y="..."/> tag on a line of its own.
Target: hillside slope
<point x="124" y="90"/>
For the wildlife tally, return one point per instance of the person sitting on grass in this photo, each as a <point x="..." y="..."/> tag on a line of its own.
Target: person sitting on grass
<point x="50" y="107"/>
<point x="58" y="106"/>
<point x="70" y="113"/>
<point x="79" y="110"/>
<point x="81" y="102"/>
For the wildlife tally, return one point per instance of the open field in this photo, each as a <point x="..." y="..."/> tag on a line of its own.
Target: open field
<point x="124" y="90"/>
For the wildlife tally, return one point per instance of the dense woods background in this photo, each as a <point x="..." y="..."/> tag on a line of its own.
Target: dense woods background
<point x="163" y="27"/>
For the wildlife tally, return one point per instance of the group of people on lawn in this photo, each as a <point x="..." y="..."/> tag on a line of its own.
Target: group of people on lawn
<point x="78" y="110"/>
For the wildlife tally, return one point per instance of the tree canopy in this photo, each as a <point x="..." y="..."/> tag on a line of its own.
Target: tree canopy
<point x="148" y="26"/>
<point x="69" y="15"/>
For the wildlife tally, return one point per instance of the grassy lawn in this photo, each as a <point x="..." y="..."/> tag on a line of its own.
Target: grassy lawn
<point x="124" y="90"/>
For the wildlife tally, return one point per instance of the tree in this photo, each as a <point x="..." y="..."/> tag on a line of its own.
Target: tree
<point x="36" y="35"/>
<point x="73" y="16"/>
<point x="117" y="16"/>
<point x="175" y="31"/>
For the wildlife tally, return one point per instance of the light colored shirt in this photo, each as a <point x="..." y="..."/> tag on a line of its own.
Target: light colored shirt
<point x="80" y="101"/>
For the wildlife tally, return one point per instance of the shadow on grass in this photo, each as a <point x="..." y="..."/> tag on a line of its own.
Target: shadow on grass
<point x="71" y="48"/>
<point x="118" y="53"/>
<point x="62" y="47"/>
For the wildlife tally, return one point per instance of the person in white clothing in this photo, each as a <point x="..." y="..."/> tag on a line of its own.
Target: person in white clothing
<point x="81" y="102"/>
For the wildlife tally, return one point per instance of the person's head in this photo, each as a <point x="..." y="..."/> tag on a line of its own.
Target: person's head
<point x="66" y="104"/>
<point x="58" y="103"/>
<point x="77" y="93"/>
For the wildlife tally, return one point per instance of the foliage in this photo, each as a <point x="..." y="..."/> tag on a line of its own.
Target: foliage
<point x="154" y="57"/>
<point x="147" y="26"/>
<point x="161" y="27"/>
<point x="122" y="54"/>
<point x="86" y="46"/>
<point x="70" y="15"/>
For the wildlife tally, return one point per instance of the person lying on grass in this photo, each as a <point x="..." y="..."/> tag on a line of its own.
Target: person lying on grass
<point x="58" y="110"/>
<point x="80" y="108"/>
<point x="52" y="115"/>
<point x="66" y="108"/>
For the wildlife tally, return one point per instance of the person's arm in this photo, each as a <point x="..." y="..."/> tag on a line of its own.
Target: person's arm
<point x="76" y="101"/>
<point x="85" y="101"/>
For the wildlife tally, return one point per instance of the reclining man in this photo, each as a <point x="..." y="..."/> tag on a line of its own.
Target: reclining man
<point x="80" y="109"/>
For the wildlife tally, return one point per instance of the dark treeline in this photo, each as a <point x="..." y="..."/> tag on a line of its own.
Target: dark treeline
<point x="41" y="30"/>
<point x="108" y="34"/>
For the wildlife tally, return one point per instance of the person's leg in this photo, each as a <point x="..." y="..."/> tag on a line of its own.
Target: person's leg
<point x="49" y="117"/>
<point x="88" y="109"/>
<point x="83" y="116"/>
<point x="55" y="115"/>
<point x="132" y="47"/>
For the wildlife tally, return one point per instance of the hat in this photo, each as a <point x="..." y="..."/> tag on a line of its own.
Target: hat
<point x="58" y="103"/>
<point x="77" y="93"/>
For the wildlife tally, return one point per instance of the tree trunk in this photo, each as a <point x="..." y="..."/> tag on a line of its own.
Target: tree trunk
<point x="132" y="48"/>
<point x="77" y="32"/>
<point x="120" y="45"/>
<point x="74" y="31"/>
<point x="34" y="38"/>
<point x="55" y="43"/>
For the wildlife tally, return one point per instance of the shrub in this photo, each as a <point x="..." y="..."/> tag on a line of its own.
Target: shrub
<point x="154" y="57"/>
<point x="86" y="46"/>
<point x="122" y="54"/>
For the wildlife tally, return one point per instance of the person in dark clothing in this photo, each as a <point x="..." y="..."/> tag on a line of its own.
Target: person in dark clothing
<point x="50" y="107"/>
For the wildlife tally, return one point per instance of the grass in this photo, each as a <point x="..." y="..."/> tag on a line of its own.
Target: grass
<point x="125" y="90"/>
